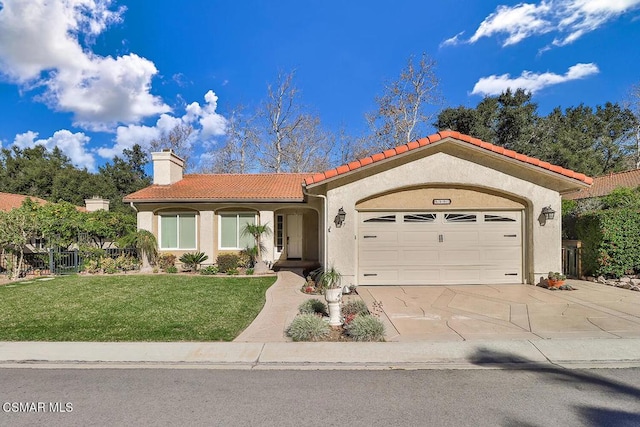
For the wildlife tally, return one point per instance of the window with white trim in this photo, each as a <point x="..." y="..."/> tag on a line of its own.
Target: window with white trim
<point x="178" y="231"/>
<point x="230" y="226"/>
<point x="279" y="234"/>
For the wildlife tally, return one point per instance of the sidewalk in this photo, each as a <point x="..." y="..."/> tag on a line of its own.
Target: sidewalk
<point x="595" y="353"/>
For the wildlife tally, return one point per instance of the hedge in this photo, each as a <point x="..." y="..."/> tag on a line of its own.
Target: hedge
<point x="610" y="241"/>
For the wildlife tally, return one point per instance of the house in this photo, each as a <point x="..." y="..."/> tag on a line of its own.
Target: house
<point x="446" y="209"/>
<point x="605" y="184"/>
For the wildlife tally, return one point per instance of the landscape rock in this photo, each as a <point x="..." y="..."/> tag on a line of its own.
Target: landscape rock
<point x="602" y="280"/>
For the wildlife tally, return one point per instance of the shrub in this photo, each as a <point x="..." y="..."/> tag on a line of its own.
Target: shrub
<point x="308" y="327"/>
<point x="227" y="262"/>
<point x="192" y="260"/>
<point x="91" y="266"/>
<point x="312" y="306"/>
<point x="249" y="272"/>
<point x="108" y="265"/>
<point x="172" y="269"/>
<point x="354" y="307"/>
<point x="247" y="257"/>
<point x="166" y="260"/>
<point x="209" y="270"/>
<point x="366" y="328"/>
<point x="126" y="263"/>
<point x="609" y="241"/>
<point x="232" y="271"/>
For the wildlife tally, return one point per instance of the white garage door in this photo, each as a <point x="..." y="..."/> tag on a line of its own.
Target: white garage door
<point x="439" y="248"/>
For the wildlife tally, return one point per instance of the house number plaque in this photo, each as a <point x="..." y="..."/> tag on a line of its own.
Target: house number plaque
<point x="441" y="201"/>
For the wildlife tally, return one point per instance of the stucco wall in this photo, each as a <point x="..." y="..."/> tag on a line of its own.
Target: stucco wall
<point x="542" y="244"/>
<point x="207" y="223"/>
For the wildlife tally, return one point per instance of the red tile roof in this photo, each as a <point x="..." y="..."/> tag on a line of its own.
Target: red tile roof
<point x="10" y="201"/>
<point x="227" y="187"/>
<point x="413" y="145"/>
<point x="603" y="185"/>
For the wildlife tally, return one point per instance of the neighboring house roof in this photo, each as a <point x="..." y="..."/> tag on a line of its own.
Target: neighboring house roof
<point x="413" y="145"/>
<point x="603" y="185"/>
<point x="226" y="187"/>
<point x="10" y="201"/>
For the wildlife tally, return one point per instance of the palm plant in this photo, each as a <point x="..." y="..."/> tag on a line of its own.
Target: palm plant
<point x="145" y="242"/>
<point x="257" y="231"/>
<point x="192" y="260"/>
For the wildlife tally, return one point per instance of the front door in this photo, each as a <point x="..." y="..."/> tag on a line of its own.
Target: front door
<point x="294" y="236"/>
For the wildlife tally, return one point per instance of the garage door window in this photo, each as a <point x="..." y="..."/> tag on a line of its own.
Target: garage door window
<point x="460" y="217"/>
<point x="427" y="217"/>
<point x="498" y="218"/>
<point x="382" y="218"/>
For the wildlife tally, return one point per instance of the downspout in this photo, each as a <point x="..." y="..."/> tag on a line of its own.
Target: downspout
<point x="324" y="223"/>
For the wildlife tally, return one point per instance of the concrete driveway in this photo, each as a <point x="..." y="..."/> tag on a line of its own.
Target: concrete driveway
<point x="503" y="312"/>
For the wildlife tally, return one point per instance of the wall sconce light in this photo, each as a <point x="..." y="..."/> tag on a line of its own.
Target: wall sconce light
<point x="548" y="212"/>
<point x="339" y="219"/>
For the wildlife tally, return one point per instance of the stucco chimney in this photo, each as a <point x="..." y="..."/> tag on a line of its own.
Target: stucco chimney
<point x="167" y="167"/>
<point x="96" y="203"/>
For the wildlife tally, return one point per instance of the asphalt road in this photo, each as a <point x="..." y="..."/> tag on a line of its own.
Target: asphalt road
<point x="192" y="397"/>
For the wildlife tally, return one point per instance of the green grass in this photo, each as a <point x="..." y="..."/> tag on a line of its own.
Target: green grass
<point x="131" y="308"/>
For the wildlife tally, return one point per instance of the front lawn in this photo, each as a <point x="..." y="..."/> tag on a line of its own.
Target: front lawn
<point x="131" y="308"/>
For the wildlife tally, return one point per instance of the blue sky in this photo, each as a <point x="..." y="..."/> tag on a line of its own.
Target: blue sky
<point x="96" y="76"/>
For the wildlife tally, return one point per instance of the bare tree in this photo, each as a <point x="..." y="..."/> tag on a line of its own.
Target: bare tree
<point x="403" y="111"/>
<point x="290" y="139"/>
<point x="237" y="155"/>
<point x="634" y="106"/>
<point x="176" y="139"/>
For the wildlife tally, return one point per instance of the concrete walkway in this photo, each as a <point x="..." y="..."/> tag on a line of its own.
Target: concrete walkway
<point x="281" y="306"/>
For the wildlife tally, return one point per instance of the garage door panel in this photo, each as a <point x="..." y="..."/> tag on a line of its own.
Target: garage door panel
<point x="500" y="256"/>
<point x="376" y="237"/>
<point x="378" y="276"/>
<point x="455" y="257"/>
<point x="507" y="237"/>
<point x="501" y="276"/>
<point x="380" y="257"/>
<point x="469" y="274"/>
<point x="416" y="276"/>
<point x="419" y="257"/>
<point x="462" y="238"/>
<point x="418" y="238"/>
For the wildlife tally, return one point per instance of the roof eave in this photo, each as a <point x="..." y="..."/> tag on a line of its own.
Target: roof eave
<point x="198" y="200"/>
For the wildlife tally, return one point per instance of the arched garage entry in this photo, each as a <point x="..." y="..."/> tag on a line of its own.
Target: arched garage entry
<point x="439" y="235"/>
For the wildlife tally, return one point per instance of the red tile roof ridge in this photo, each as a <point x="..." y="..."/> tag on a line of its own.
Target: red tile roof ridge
<point x="439" y="136"/>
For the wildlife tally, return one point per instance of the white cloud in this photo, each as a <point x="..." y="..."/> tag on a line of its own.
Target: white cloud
<point x="453" y="40"/>
<point x="206" y="123"/>
<point x="71" y="144"/>
<point x="495" y="85"/>
<point x="40" y="46"/>
<point x="570" y="19"/>
<point x="518" y="22"/>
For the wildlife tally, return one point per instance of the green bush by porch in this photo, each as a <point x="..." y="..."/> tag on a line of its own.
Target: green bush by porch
<point x="610" y="241"/>
<point x="131" y="308"/>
